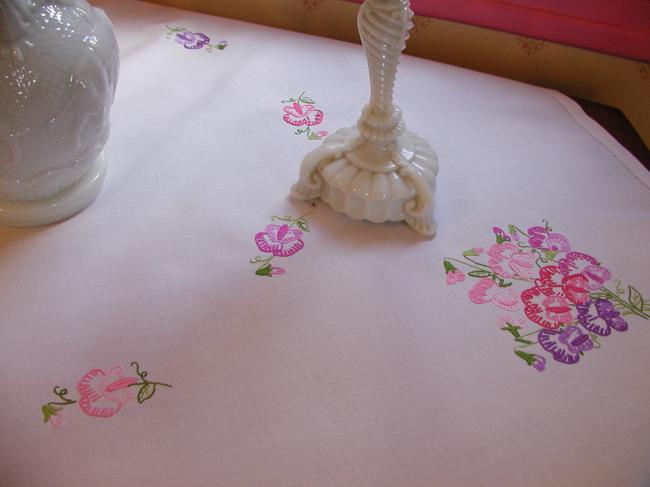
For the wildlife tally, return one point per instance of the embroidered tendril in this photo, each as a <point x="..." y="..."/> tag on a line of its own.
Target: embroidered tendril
<point x="147" y="388"/>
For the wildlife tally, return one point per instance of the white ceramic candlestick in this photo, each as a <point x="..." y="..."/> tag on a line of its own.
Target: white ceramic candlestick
<point x="58" y="71"/>
<point x="377" y="171"/>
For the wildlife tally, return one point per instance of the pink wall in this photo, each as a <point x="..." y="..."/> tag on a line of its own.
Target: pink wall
<point x="620" y="27"/>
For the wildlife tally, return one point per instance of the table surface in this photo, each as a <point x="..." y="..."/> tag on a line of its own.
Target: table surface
<point x="196" y="327"/>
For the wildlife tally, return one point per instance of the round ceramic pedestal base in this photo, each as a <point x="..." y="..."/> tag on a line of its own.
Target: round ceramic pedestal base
<point x="367" y="183"/>
<point x="58" y="207"/>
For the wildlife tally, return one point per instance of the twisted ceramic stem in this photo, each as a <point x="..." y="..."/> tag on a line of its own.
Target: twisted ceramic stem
<point x="383" y="27"/>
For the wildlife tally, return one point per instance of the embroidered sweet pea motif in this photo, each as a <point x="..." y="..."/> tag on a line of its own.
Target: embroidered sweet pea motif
<point x="102" y="394"/>
<point x="282" y="239"/>
<point x="193" y="40"/>
<point x="567" y="306"/>
<point x="302" y="112"/>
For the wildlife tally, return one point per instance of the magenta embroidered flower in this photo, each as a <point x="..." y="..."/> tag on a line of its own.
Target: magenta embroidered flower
<point x="455" y="276"/>
<point x="302" y="114"/>
<point x="103" y="394"/>
<point x="579" y="263"/>
<point x="600" y="317"/>
<point x="507" y="260"/>
<point x="573" y="287"/>
<point x="486" y="291"/>
<point x="547" y="310"/>
<point x="541" y="238"/>
<point x="566" y="345"/>
<point x="192" y="40"/>
<point x="279" y="240"/>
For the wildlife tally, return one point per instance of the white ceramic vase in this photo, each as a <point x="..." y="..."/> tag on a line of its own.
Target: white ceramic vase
<point x="59" y="64"/>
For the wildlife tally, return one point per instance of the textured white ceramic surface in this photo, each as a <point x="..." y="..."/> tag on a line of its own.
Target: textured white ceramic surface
<point x="59" y="65"/>
<point x="377" y="171"/>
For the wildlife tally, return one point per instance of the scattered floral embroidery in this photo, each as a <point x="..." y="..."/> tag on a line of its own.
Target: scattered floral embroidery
<point x="420" y="24"/>
<point x="102" y="394"/>
<point x="279" y="240"/>
<point x="312" y="5"/>
<point x="530" y="45"/>
<point x="556" y="297"/>
<point x="643" y="69"/>
<point x="193" y="40"/>
<point x="301" y="112"/>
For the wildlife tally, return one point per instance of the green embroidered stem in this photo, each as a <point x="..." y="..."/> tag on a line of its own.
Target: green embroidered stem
<point x="480" y="272"/>
<point x="53" y="408"/>
<point x="515" y="227"/>
<point x="147" y="388"/>
<point x="629" y="306"/>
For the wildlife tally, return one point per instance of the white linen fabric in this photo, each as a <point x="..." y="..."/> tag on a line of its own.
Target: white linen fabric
<point x="360" y="365"/>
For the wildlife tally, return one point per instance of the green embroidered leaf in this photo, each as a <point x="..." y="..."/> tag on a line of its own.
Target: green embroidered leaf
<point x="598" y="295"/>
<point x="303" y="224"/>
<point x="529" y="358"/>
<point x="635" y="298"/>
<point x="146" y="392"/>
<point x="264" y="271"/>
<point x="514" y="330"/>
<point x="500" y="239"/>
<point x="449" y="267"/>
<point x="511" y="229"/>
<point x="470" y="253"/>
<point x="50" y="410"/>
<point x="550" y="254"/>
<point x="479" y="273"/>
<point x="524" y="341"/>
<point x="312" y="136"/>
<point x="305" y="99"/>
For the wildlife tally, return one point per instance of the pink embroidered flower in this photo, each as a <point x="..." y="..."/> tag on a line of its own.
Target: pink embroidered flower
<point x="547" y="310"/>
<point x="579" y="263"/>
<point x="279" y="240"/>
<point x="503" y="320"/>
<point x="56" y="420"/>
<point x="297" y="114"/>
<point x="573" y="287"/>
<point x="507" y="260"/>
<point x="455" y="276"/>
<point x="486" y="291"/>
<point x="103" y="394"/>
<point x="277" y="271"/>
<point x="540" y="238"/>
<point x="321" y="134"/>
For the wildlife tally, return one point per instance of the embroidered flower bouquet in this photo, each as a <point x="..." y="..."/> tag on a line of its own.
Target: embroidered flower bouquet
<point x="557" y="299"/>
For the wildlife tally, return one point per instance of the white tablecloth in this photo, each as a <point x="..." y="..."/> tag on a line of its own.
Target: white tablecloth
<point x="354" y="363"/>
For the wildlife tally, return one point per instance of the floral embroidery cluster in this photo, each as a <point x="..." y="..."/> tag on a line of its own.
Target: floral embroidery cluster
<point x="301" y="112"/>
<point x="102" y="394"/>
<point x="567" y="308"/>
<point x="530" y="45"/>
<point x="193" y="40"/>
<point x="279" y="240"/>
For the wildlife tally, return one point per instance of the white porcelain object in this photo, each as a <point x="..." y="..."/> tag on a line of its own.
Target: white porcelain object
<point x="377" y="171"/>
<point x="59" y="64"/>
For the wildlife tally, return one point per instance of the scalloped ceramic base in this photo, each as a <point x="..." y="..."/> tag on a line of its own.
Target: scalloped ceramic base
<point x="58" y="207"/>
<point x="366" y="183"/>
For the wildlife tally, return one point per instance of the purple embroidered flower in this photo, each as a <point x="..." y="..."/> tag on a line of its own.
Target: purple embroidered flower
<point x="192" y="40"/>
<point x="603" y="320"/>
<point x="540" y="238"/>
<point x="579" y="263"/>
<point x="539" y="363"/>
<point x="279" y="240"/>
<point x="566" y="345"/>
